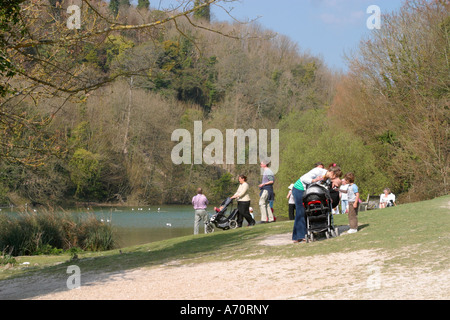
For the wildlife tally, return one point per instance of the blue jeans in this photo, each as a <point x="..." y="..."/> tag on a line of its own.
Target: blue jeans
<point x="344" y="205"/>
<point x="299" y="231"/>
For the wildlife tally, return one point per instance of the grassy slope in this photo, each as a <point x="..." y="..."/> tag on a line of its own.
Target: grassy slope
<point x="419" y="229"/>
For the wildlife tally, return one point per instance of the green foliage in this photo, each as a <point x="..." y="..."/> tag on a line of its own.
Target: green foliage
<point x="114" y="6"/>
<point x="202" y="13"/>
<point x="80" y="135"/>
<point x="3" y="194"/>
<point x="53" y="232"/>
<point x="223" y="187"/>
<point x="7" y="259"/>
<point x="9" y="19"/>
<point x="47" y="249"/>
<point x="116" y="48"/>
<point x="143" y="4"/>
<point x="305" y="72"/>
<point x="308" y="137"/>
<point x="184" y="75"/>
<point x="85" y="168"/>
<point x="104" y="54"/>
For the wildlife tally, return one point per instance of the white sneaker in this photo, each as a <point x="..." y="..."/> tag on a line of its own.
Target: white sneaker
<point x="352" y="231"/>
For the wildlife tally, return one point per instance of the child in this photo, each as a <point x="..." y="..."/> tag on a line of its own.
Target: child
<point x="353" y="202"/>
<point x="291" y="203"/>
<point x="251" y="212"/>
<point x="343" y="194"/>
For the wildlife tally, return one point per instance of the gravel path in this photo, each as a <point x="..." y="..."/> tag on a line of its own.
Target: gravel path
<point x="352" y="275"/>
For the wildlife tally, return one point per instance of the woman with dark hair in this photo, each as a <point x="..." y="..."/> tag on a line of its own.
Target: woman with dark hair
<point x="243" y="202"/>
<point x="334" y="175"/>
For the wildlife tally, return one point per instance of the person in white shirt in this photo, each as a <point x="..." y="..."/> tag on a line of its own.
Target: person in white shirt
<point x="344" y="197"/>
<point x="314" y="175"/>
<point x="387" y="199"/>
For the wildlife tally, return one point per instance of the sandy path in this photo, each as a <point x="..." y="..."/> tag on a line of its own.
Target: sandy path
<point x="353" y="275"/>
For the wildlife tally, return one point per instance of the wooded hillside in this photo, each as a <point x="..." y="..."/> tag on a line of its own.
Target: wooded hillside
<point x="90" y="118"/>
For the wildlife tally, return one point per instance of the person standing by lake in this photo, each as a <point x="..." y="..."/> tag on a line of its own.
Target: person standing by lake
<point x="266" y="194"/>
<point x="200" y="202"/>
<point x="243" y="202"/>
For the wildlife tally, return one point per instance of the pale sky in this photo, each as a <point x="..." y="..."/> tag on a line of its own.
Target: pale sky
<point x="327" y="28"/>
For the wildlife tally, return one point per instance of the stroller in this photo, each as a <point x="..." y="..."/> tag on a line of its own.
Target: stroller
<point x="220" y="220"/>
<point x="318" y="204"/>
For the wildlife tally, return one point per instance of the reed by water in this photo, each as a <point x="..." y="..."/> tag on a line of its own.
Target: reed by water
<point x="50" y="232"/>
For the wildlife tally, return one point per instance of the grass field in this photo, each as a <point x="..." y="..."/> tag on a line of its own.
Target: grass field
<point x="419" y="229"/>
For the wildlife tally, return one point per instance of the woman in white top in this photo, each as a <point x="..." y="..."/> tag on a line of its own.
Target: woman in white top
<point x="387" y="199"/>
<point x="243" y="202"/>
<point x="314" y="175"/>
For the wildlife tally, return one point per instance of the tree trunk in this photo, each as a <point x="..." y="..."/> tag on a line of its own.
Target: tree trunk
<point x="127" y="125"/>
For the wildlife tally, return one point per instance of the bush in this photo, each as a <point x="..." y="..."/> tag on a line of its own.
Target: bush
<point x="52" y="232"/>
<point x="309" y="137"/>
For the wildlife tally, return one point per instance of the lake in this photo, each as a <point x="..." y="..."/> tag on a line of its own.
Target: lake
<point x="139" y="225"/>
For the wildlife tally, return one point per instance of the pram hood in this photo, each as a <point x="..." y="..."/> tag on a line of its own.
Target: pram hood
<point x="316" y="189"/>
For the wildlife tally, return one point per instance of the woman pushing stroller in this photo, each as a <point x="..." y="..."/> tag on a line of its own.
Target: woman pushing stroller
<point x="318" y="173"/>
<point x="243" y="202"/>
<point x="236" y="217"/>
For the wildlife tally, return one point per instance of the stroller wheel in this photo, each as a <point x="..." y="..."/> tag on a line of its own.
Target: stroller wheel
<point x="209" y="228"/>
<point x="233" y="224"/>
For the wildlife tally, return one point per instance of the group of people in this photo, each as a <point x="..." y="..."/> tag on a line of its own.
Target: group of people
<point x="332" y="175"/>
<point x="342" y="190"/>
<point x="266" y="198"/>
<point x="319" y="170"/>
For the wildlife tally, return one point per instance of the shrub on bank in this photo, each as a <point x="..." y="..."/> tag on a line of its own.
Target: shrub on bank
<point x="50" y="232"/>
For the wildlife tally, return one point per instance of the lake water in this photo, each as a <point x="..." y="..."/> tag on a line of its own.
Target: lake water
<point x="139" y="225"/>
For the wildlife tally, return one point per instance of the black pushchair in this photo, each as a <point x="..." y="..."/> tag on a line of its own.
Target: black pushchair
<point x="220" y="219"/>
<point x="318" y="211"/>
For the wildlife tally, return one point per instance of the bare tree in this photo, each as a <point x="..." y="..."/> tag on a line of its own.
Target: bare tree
<point x="42" y="58"/>
<point x="397" y="93"/>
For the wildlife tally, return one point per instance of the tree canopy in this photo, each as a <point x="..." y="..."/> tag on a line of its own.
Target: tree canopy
<point x="87" y="114"/>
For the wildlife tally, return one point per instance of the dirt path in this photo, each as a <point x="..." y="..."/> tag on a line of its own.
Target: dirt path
<point x="353" y="275"/>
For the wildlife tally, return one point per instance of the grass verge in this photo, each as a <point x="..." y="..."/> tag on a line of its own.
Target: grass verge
<point x="413" y="234"/>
